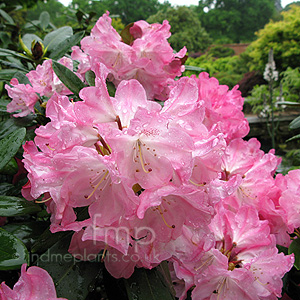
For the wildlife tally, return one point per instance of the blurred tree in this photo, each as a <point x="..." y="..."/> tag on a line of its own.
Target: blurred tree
<point x="56" y="10"/>
<point x="24" y="3"/>
<point x="186" y="28"/>
<point x="133" y="10"/>
<point x="234" y="20"/>
<point x="283" y="37"/>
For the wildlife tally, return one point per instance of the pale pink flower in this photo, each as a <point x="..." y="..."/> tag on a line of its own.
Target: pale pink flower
<point x="149" y="58"/>
<point x="45" y="81"/>
<point x="290" y="199"/>
<point x="34" y="284"/>
<point x="148" y="150"/>
<point x="23" y="97"/>
<point x="223" y="107"/>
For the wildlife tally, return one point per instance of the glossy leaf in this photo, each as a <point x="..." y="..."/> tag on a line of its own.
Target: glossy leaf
<point x="7" y="74"/>
<point x="44" y="19"/>
<point x="295" y="123"/>
<point x="47" y="240"/>
<point x="90" y="77"/>
<point x="13" y="252"/>
<point x="6" y="52"/>
<point x="8" y="189"/>
<point x="66" y="45"/>
<point x="10" y="144"/>
<point x="10" y="168"/>
<point x="28" y="38"/>
<point x="27" y="232"/>
<point x="13" y="206"/>
<point x="68" y="78"/>
<point x="295" y="248"/>
<point x="12" y="65"/>
<point x="148" y="285"/>
<point x="54" y="38"/>
<point x="7" y="127"/>
<point x="295" y="137"/>
<point x="73" y="279"/>
<point x="6" y="16"/>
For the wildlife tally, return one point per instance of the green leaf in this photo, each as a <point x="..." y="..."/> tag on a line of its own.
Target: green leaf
<point x="22" y="78"/>
<point x="6" y="52"/>
<point x="7" y="127"/>
<point x="47" y="240"/>
<point x="13" y="252"/>
<point x="68" y="78"/>
<point x="60" y="50"/>
<point x="7" y="74"/>
<point x="282" y="249"/>
<point x="10" y="144"/>
<point x="44" y="20"/>
<point x="295" y="137"/>
<point x="126" y="36"/>
<point x="7" y="189"/>
<point x="12" y="65"/>
<point x="54" y="38"/>
<point x="295" y="248"/>
<point x="6" y="16"/>
<point x="147" y="285"/>
<point x="193" y="68"/>
<point x="13" y="206"/>
<point x="295" y="123"/>
<point x="28" y="38"/>
<point x="73" y="279"/>
<point x="10" y="168"/>
<point x="27" y="232"/>
<point x="90" y="77"/>
<point x="111" y="88"/>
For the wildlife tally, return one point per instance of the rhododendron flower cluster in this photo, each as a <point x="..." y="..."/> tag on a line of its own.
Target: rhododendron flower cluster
<point x="172" y="182"/>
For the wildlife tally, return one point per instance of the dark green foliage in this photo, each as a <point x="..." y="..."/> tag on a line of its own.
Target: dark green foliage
<point x="220" y="51"/>
<point x="194" y="37"/>
<point x="234" y="20"/>
<point x="132" y="10"/>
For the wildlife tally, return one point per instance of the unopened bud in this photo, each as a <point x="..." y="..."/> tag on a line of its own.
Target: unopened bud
<point x="37" y="50"/>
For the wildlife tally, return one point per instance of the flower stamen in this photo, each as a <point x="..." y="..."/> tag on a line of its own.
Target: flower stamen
<point x="141" y="159"/>
<point x="98" y="184"/>
<point x="162" y="215"/>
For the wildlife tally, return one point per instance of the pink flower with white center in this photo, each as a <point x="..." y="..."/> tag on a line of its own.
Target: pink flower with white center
<point x="148" y="151"/>
<point x="239" y="231"/>
<point x="44" y="80"/>
<point x="244" y="263"/>
<point x="149" y="58"/>
<point x="65" y="130"/>
<point x="105" y="45"/>
<point x="217" y="281"/>
<point x="244" y="159"/>
<point x="34" y="284"/>
<point x="268" y="268"/>
<point x="79" y="178"/>
<point x="185" y="108"/>
<point x="98" y="107"/>
<point x="23" y="97"/>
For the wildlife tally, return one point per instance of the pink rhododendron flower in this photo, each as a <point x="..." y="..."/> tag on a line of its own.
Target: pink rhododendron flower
<point x="45" y="81"/>
<point x="149" y="59"/>
<point x="34" y="284"/>
<point x="23" y="97"/>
